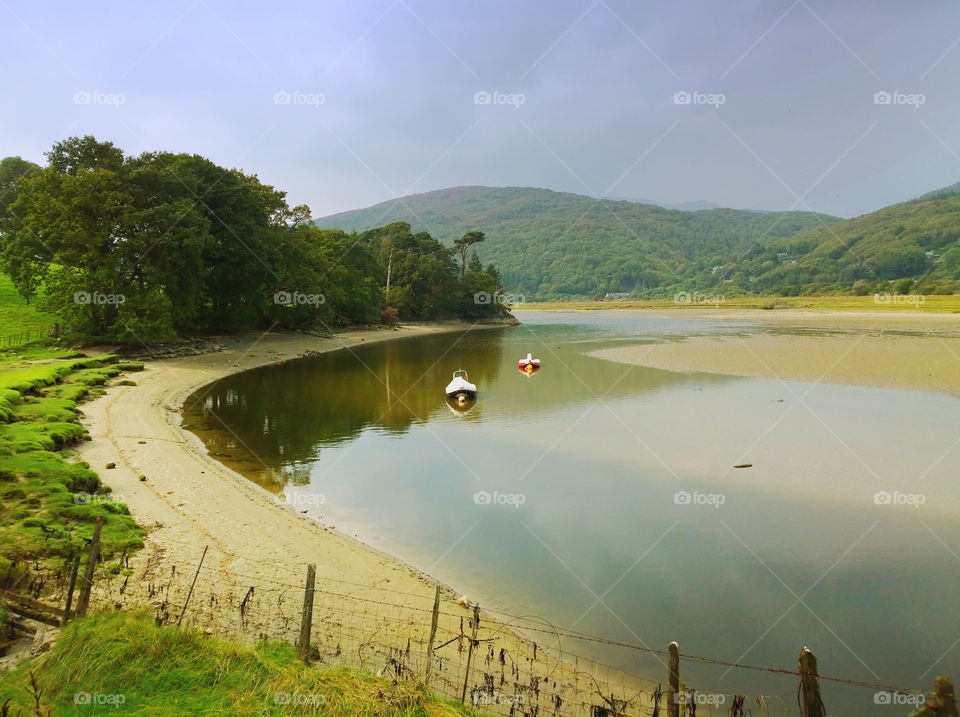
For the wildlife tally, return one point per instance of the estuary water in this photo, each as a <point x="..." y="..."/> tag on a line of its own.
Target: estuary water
<point x="604" y="496"/>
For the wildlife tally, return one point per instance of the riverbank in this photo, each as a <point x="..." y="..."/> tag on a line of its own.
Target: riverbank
<point x="250" y="550"/>
<point x="884" y="349"/>
<point x="186" y="497"/>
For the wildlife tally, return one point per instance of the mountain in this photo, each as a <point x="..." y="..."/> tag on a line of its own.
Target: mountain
<point x="560" y="245"/>
<point x="909" y="247"/>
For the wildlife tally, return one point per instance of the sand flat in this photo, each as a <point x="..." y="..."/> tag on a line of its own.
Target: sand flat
<point x="883" y="349"/>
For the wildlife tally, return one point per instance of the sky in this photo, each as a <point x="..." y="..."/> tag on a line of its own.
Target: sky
<point x="835" y="106"/>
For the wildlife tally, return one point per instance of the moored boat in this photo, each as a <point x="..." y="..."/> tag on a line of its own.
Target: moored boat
<point x="528" y="361"/>
<point x="460" y="387"/>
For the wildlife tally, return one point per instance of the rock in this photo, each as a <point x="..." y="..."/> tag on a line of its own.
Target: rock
<point x="110" y="466"/>
<point x="43" y="639"/>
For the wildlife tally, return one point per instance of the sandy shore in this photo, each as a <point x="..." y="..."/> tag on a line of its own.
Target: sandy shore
<point x="884" y="349"/>
<point x="189" y="498"/>
<point x="370" y="610"/>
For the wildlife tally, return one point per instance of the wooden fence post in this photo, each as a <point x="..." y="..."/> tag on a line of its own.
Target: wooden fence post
<point x="74" y="569"/>
<point x="673" y="680"/>
<point x="306" y="618"/>
<point x="433" y="635"/>
<point x="810" y="703"/>
<point x="945" y="697"/>
<point x="473" y="640"/>
<point x="87" y="583"/>
<point x="190" y="594"/>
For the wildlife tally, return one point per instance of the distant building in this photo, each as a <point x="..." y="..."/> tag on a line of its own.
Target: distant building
<point x="617" y="295"/>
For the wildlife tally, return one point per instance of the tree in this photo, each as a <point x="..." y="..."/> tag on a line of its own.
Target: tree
<point x="12" y="170"/>
<point x="463" y="244"/>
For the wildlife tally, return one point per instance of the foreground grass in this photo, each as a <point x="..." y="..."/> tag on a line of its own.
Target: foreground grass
<point x="128" y="665"/>
<point x="708" y="300"/>
<point x="49" y="504"/>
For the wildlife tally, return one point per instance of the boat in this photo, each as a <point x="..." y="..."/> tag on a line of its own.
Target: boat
<point x="530" y="361"/>
<point x="460" y="387"/>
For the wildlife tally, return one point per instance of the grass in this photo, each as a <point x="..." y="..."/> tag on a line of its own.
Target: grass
<point x="49" y="503"/>
<point x="934" y="303"/>
<point x="18" y="317"/>
<point x="134" y="667"/>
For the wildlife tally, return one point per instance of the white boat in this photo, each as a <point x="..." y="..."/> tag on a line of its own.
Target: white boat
<point x="460" y="387"/>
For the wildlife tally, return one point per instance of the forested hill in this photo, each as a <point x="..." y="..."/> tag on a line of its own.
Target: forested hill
<point x="561" y="245"/>
<point x="913" y="247"/>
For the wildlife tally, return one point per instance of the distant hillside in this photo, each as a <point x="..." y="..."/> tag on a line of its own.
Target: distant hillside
<point x="560" y="245"/>
<point x="912" y="246"/>
<point x="696" y="205"/>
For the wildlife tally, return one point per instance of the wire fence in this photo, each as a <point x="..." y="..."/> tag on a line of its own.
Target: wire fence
<point x="22" y="337"/>
<point x="503" y="664"/>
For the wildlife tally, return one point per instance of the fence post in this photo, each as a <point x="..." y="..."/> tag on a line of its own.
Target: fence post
<point x="433" y="635"/>
<point x="945" y="697"/>
<point x="87" y="584"/>
<point x="306" y="617"/>
<point x="74" y="569"/>
<point x="473" y="639"/>
<point x="673" y="680"/>
<point x="810" y="703"/>
<point x="190" y="594"/>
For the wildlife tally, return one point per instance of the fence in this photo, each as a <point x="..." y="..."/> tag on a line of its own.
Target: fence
<point x="23" y="337"/>
<point x="503" y="664"/>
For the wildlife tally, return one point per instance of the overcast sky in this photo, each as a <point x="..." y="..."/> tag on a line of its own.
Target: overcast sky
<point x="382" y="94"/>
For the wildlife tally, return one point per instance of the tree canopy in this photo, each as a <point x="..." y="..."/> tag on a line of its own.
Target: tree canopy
<point x="148" y="247"/>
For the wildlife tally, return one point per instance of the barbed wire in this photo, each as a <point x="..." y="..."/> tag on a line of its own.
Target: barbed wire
<point x="521" y="622"/>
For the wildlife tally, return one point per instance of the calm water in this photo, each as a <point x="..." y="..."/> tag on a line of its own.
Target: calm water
<point x="583" y="463"/>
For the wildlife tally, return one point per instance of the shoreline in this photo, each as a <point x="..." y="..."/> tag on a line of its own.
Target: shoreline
<point x="251" y="584"/>
<point x="171" y="381"/>
<point x="250" y="551"/>
<point x="177" y="509"/>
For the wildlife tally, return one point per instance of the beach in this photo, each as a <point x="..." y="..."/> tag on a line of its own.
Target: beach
<point x="248" y="551"/>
